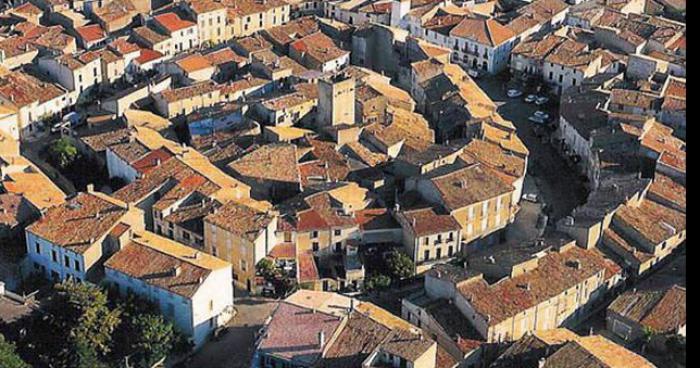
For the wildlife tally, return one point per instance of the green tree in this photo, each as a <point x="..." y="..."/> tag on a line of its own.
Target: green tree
<point x="63" y="152"/>
<point x="400" y="266"/>
<point x="79" y="325"/>
<point x="144" y="335"/>
<point x="377" y="282"/>
<point x="266" y="268"/>
<point x="8" y="356"/>
<point x="154" y="340"/>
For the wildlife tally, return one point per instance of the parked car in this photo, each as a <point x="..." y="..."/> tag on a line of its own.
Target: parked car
<point x="537" y="120"/>
<point x="541" y="114"/>
<point x="474" y="73"/>
<point x="530" y="98"/>
<point x="541" y="101"/>
<point x="61" y="125"/>
<point x="513" y="93"/>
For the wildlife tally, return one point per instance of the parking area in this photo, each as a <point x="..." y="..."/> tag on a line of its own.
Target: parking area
<point x="557" y="184"/>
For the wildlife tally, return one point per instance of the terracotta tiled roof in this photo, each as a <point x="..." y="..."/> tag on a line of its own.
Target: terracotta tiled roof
<point x="172" y="22"/>
<point x="595" y="352"/>
<point x="152" y="160"/>
<point x="300" y="344"/>
<point x="556" y="272"/>
<point x="79" y="222"/>
<point x="483" y="31"/>
<point x="165" y="264"/>
<point x="27" y="8"/>
<point x="123" y="47"/>
<point x="193" y="63"/>
<point x="284" y="251"/>
<point x="319" y="47"/>
<point x="150" y="35"/>
<point x="407" y="345"/>
<point x="148" y="55"/>
<point x="427" y="221"/>
<point x="10" y="209"/>
<point x="469" y="185"/>
<point x="91" y="33"/>
<point x="652" y="220"/>
<point x="295" y="29"/>
<point x="358" y="339"/>
<point x="276" y="162"/>
<point x="23" y="89"/>
<point x="240" y="220"/>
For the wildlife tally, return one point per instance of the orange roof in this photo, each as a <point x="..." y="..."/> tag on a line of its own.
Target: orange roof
<point x="148" y="55"/>
<point x="484" y="31"/>
<point x="193" y="63"/>
<point x="172" y="22"/>
<point x="307" y="267"/>
<point x="91" y="33"/>
<point x="27" y="8"/>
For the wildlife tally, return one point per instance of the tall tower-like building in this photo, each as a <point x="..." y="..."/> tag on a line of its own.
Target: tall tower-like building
<point x="336" y="101"/>
<point x="399" y="9"/>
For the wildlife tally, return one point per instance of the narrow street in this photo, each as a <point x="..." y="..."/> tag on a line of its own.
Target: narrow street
<point x="558" y="185"/>
<point x="31" y="150"/>
<point x="235" y="348"/>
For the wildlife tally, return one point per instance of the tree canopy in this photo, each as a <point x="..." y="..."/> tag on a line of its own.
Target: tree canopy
<point x="399" y="265"/>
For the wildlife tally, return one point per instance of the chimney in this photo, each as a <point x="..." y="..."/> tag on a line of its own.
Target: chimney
<point x="321" y="339"/>
<point x="90" y="188"/>
<point x="157" y="162"/>
<point x="176" y="271"/>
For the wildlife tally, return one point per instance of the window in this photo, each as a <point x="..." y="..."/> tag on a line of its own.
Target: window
<point x="439" y="253"/>
<point x="54" y="256"/>
<point x="66" y="261"/>
<point x="314" y="246"/>
<point x="561" y="78"/>
<point x="186" y="235"/>
<point x="213" y="251"/>
<point x="76" y="265"/>
<point x="336" y="232"/>
<point x="573" y="82"/>
<point x="244" y="265"/>
<point x="551" y="75"/>
<point x="338" y="247"/>
<point x="450" y="251"/>
<point x="426" y="255"/>
<point x="314" y="234"/>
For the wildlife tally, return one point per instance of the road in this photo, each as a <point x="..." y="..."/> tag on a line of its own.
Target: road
<point x="558" y="185"/>
<point x="31" y="150"/>
<point x="235" y="348"/>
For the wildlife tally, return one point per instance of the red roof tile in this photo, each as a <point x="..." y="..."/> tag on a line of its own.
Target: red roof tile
<point x="91" y="33"/>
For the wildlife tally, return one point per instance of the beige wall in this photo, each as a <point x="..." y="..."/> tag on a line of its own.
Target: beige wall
<point x="498" y="213"/>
